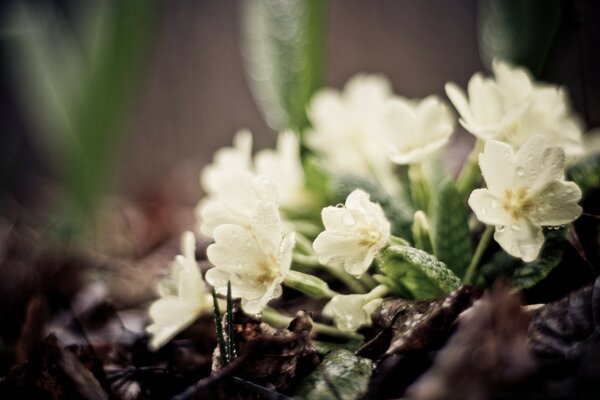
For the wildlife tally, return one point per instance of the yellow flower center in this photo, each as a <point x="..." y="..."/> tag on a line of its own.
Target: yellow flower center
<point x="369" y="235"/>
<point x="516" y="202"/>
<point x="269" y="270"/>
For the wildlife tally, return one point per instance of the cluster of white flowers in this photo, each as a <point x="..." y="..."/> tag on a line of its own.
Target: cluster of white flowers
<point x="250" y="249"/>
<point x="528" y="131"/>
<point x="355" y="129"/>
<point x="527" y="128"/>
<point x="512" y="108"/>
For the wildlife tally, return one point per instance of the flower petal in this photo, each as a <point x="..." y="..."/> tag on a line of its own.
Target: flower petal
<point x="497" y="163"/>
<point x="521" y="239"/>
<point x="557" y="204"/>
<point x="537" y="164"/>
<point x="235" y="250"/>
<point x="170" y="316"/>
<point x="488" y="208"/>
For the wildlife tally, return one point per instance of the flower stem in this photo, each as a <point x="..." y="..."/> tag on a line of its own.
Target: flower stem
<point x="377" y="293"/>
<point x="470" y="173"/>
<point x="355" y="285"/>
<point x="308" y="284"/>
<point x="483" y="244"/>
<point x="419" y="187"/>
<point x="277" y="319"/>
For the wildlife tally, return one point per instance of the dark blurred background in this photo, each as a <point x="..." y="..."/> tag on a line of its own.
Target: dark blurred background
<point x="192" y="93"/>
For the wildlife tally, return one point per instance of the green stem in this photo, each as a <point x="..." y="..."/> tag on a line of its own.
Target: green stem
<point x="351" y="282"/>
<point x="377" y="293"/>
<point x="308" y="284"/>
<point x="470" y="173"/>
<point x="483" y="244"/>
<point x="395" y="240"/>
<point x="419" y="187"/>
<point x="275" y="318"/>
<point x="306" y="261"/>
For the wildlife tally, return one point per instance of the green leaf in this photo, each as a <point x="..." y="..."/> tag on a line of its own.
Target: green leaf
<point x="452" y="238"/>
<point x="283" y="46"/>
<point x="521" y="32"/>
<point x="397" y="212"/>
<point x="586" y="173"/>
<point x="82" y="71"/>
<point x="529" y="274"/>
<point x="342" y="375"/>
<point x="419" y="273"/>
<point x="323" y="347"/>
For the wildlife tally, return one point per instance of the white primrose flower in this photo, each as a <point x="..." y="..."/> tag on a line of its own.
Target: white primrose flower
<point x="183" y="296"/>
<point x="353" y="234"/>
<point x="414" y="129"/>
<point x="525" y="191"/>
<point x="512" y="107"/>
<point x="342" y="126"/>
<point x="235" y="201"/>
<point x="250" y="251"/>
<point x="284" y="167"/>
<point x="352" y="311"/>
<point x="228" y="161"/>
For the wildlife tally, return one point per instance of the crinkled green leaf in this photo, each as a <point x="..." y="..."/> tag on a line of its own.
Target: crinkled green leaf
<point x="452" y="238"/>
<point x="531" y="273"/>
<point x="397" y="212"/>
<point x="586" y="173"/>
<point x="420" y="273"/>
<point x="283" y="45"/>
<point x="342" y="375"/>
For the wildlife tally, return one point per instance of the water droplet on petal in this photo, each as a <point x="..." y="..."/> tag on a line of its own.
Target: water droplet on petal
<point x="520" y="172"/>
<point x="500" y="228"/>
<point x="339" y="205"/>
<point x="494" y="204"/>
<point x="515" y="228"/>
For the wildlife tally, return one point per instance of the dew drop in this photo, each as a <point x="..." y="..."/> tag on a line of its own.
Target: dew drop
<point x="520" y="172"/>
<point x="500" y="228"/>
<point x="515" y="228"/>
<point x="494" y="204"/>
<point x="339" y="205"/>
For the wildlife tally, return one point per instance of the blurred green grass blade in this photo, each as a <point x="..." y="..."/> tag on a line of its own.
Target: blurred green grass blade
<point x="519" y="31"/>
<point x="108" y="88"/>
<point x="283" y="46"/>
<point x="76" y="76"/>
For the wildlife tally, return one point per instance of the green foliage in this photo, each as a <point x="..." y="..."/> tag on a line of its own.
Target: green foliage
<point x="398" y="213"/>
<point x="452" y="238"/>
<point x="521" y="32"/>
<point x="342" y="375"/>
<point x="586" y="173"/>
<point x="77" y="75"/>
<point x="417" y="272"/>
<point x="310" y="285"/>
<point x="529" y="274"/>
<point x="525" y="275"/>
<point x="283" y="45"/>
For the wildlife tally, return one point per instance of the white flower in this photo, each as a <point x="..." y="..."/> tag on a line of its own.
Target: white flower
<point x="353" y="234"/>
<point x="183" y="296"/>
<point x="415" y="129"/>
<point x="284" y="167"/>
<point x="512" y="107"/>
<point x="228" y="161"/>
<point x="342" y="126"/>
<point x="351" y="312"/>
<point x="235" y="201"/>
<point x="525" y="191"/>
<point x="250" y="251"/>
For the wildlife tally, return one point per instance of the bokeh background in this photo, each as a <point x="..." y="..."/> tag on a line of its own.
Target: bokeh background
<point x="187" y="91"/>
